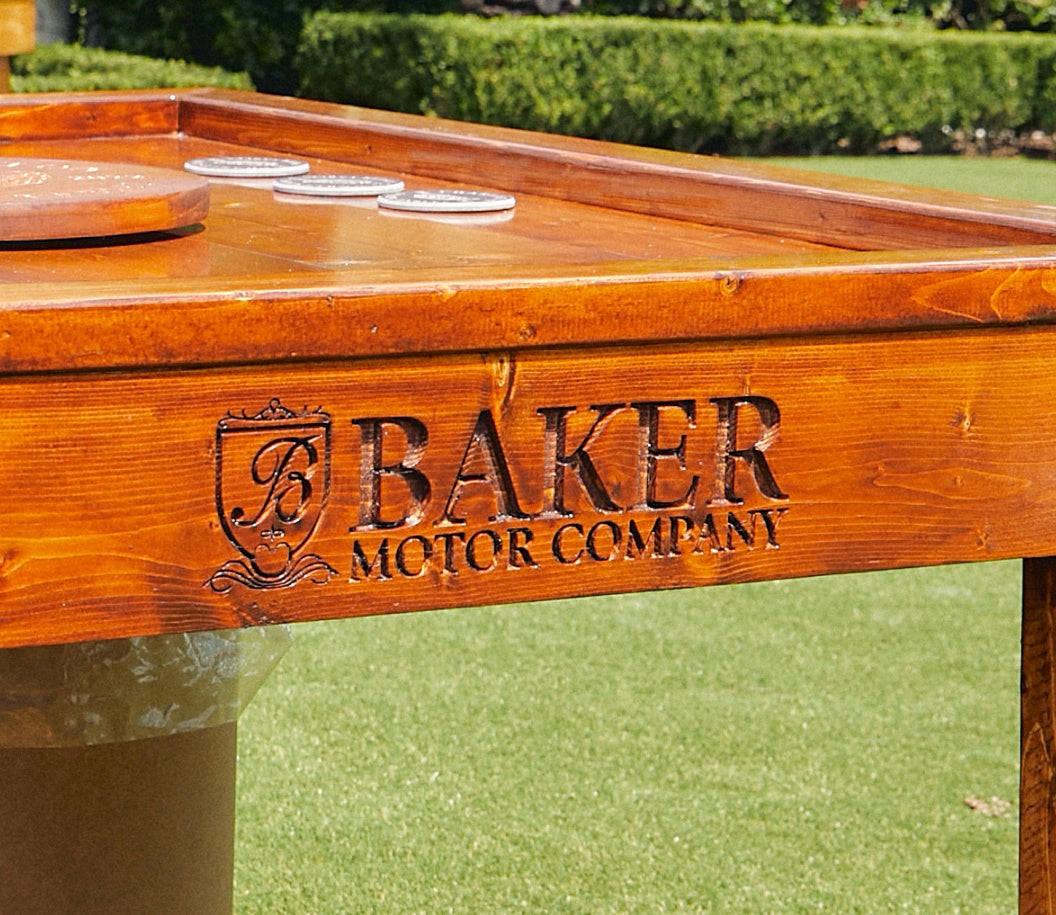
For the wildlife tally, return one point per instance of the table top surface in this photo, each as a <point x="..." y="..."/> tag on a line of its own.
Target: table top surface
<point x="588" y="216"/>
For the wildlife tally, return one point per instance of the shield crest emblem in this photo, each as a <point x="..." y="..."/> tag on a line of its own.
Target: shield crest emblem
<point x="272" y="485"/>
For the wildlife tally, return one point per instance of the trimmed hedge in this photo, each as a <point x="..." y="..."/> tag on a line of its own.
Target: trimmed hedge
<point x="750" y="89"/>
<point x="261" y="36"/>
<point x="982" y="15"/>
<point x="258" y="36"/>
<point x="69" y="68"/>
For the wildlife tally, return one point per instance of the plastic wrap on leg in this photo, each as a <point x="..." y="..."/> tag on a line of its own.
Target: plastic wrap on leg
<point x="131" y="689"/>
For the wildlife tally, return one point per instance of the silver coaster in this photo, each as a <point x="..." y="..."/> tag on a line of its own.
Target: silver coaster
<point x="246" y="167"/>
<point x="339" y="185"/>
<point x="447" y="201"/>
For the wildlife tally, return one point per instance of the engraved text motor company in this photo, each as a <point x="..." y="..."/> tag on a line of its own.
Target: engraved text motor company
<point x="480" y="521"/>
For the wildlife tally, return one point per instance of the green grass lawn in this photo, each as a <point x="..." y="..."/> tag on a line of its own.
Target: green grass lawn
<point x="1016" y="179"/>
<point x="778" y="747"/>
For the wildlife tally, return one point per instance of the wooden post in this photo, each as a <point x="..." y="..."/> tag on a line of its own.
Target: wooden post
<point x="1037" y="817"/>
<point x="18" y="22"/>
<point x="117" y="772"/>
<point x="134" y="826"/>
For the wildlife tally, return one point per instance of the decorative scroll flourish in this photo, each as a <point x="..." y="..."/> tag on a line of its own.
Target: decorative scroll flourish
<point x="272" y="485"/>
<point x="239" y="572"/>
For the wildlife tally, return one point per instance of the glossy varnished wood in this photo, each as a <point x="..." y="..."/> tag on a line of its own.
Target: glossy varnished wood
<point x="122" y="531"/>
<point x="1037" y="839"/>
<point x="77" y="117"/>
<point x="658" y="371"/>
<point x="855" y="214"/>
<point x="57" y="199"/>
<point x="607" y="245"/>
<point x="622" y="290"/>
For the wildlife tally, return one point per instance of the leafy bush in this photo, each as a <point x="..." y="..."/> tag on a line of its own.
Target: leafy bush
<point x="258" y="36"/>
<point x="261" y="36"/>
<point x="817" y="12"/>
<point x="746" y="89"/>
<point x="65" y="68"/>
<point x="999" y="15"/>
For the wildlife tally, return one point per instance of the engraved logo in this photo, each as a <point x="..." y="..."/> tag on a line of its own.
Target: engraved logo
<point x="272" y="484"/>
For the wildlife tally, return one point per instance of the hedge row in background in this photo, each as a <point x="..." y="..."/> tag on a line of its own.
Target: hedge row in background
<point x="261" y="36"/>
<point x="1001" y="15"/>
<point x="67" y="68"/>
<point x="748" y="89"/>
<point x="258" y="36"/>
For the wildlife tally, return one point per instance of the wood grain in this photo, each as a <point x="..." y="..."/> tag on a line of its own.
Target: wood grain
<point x="850" y="213"/>
<point x="123" y="360"/>
<point x="346" y="281"/>
<point x="120" y="525"/>
<point x="79" y="116"/>
<point x="1037" y="808"/>
<point x="658" y="371"/>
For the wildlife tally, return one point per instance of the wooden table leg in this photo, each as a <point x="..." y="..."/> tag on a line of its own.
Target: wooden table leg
<point x="138" y="826"/>
<point x="1037" y="789"/>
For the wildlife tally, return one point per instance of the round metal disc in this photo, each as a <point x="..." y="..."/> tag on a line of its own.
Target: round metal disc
<point x="443" y="201"/>
<point x="339" y="185"/>
<point x="246" y="167"/>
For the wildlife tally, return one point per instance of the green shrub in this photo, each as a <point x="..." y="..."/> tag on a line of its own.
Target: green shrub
<point x="261" y="36"/>
<point x="746" y="89"/>
<point x="817" y="12"/>
<point x="985" y="15"/>
<point x="66" y="68"/>
<point x="258" y="36"/>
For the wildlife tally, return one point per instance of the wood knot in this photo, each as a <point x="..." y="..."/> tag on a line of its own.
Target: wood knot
<point x="729" y="284"/>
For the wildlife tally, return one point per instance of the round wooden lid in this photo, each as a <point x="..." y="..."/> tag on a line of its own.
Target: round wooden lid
<point x="50" y="199"/>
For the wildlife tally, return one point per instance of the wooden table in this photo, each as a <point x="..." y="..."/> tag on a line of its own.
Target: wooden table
<point x="656" y="371"/>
